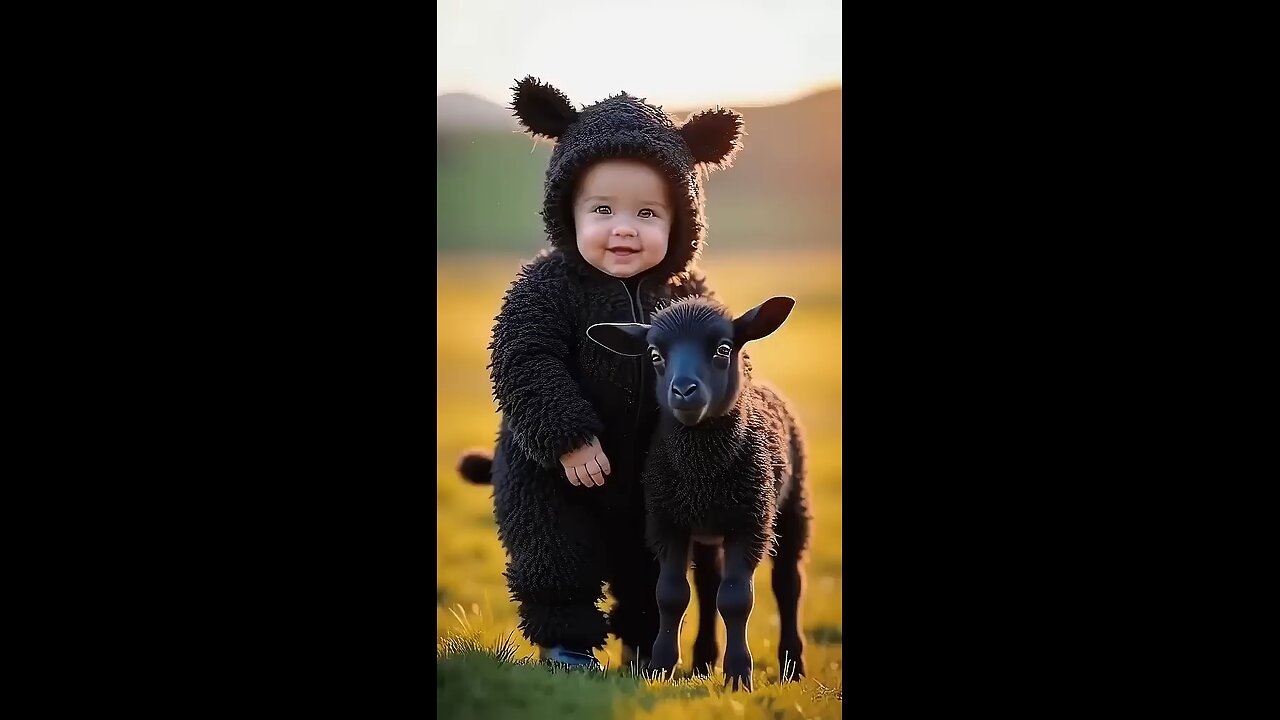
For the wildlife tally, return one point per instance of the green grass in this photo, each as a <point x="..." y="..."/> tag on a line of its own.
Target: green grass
<point x="476" y="678"/>
<point x="489" y="190"/>
<point x="473" y="614"/>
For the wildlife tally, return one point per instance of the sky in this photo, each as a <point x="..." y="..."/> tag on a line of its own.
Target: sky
<point x="677" y="53"/>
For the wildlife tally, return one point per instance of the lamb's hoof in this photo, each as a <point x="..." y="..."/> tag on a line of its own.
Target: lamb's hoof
<point x="666" y="656"/>
<point x="576" y="659"/>
<point x="737" y="670"/>
<point x="704" y="657"/>
<point x="739" y="682"/>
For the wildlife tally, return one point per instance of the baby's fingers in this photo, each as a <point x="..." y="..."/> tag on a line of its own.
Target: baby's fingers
<point x="596" y="473"/>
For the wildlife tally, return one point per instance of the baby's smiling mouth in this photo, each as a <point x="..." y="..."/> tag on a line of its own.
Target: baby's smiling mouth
<point x="624" y="251"/>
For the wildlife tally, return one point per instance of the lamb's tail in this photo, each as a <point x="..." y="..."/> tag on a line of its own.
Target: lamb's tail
<point x="475" y="466"/>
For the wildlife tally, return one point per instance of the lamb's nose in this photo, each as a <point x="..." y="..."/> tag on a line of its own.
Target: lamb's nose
<point x="684" y="388"/>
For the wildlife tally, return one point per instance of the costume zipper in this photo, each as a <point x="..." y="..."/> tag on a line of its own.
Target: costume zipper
<point x="637" y="315"/>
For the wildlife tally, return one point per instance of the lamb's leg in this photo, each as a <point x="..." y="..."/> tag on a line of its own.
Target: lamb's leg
<point x="706" y="580"/>
<point x="735" y="600"/>
<point x="788" y="579"/>
<point x="673" y="600"/>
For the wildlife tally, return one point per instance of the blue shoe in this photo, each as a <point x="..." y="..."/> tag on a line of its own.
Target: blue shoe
<point x="572" y="658"/>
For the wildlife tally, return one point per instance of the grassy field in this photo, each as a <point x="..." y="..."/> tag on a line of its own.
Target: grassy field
<point x="476" y="675"/>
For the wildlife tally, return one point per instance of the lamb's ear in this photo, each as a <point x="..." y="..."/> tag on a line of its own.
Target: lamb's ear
<point x="713" y="136"/>
<point x="622" y="338"/>
<point x="541" y="108"/>
<point x="761" y="320"/>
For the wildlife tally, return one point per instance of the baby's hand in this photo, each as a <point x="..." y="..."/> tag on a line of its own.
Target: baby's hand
<point x="587" y="465"/>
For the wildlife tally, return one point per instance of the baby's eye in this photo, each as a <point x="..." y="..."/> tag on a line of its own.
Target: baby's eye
<point x="603" y="210"/>
<point x="646" y="213"/>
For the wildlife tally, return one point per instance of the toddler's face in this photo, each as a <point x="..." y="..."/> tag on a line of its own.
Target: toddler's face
<point x="622" y="216"/>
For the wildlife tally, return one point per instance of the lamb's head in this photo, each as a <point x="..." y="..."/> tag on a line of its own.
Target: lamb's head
<point x="695" y="346"/>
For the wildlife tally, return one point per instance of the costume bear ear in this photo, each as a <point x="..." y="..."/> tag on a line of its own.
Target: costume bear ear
<point x="541" y="108"/>
<point x="714" y="136"/>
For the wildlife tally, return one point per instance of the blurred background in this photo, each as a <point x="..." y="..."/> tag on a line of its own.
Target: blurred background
<point x="774" y="221"/>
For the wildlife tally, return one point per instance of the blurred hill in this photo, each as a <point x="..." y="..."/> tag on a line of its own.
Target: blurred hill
<point x="459" y="111"/>
<point x="784" y="190"/>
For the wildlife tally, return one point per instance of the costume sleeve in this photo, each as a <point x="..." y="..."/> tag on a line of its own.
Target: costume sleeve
<point x="533" y="339"/>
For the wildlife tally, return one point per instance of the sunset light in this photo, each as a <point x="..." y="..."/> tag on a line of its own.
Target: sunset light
<point x="682" y="53"/>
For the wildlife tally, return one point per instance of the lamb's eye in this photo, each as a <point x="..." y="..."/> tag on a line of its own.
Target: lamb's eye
<point x="724" y="350"/>
<point x="655" y="356"/>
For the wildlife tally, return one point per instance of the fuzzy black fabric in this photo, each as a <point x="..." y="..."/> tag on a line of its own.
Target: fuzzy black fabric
<point x="556" y="388"/>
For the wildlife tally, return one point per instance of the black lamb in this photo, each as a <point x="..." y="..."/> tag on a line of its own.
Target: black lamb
<point x="724" y="478"/>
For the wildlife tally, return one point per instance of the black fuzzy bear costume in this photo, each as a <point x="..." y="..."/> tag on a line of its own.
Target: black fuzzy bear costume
<point x="556" y="388"/>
